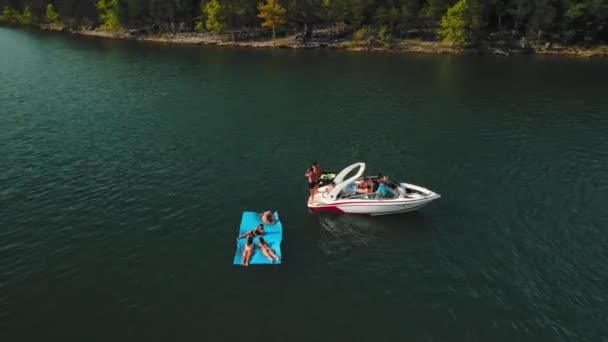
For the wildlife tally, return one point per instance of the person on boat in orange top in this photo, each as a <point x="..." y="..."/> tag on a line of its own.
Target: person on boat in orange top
<point x="268" y="252"/>
<point x="257" y="231"/>
<point x="267" y="217"/>
<point x="248" y="251"/>
<point x="314" y="178"/>
<point x="364" y="186"/>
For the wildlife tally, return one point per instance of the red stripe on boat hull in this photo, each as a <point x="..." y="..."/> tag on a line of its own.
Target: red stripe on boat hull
<point x="327" y="209"/>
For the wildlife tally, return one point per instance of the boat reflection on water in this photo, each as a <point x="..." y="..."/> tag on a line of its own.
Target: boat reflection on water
<point x="342" y="234"/>
<point x="362" y="238"/>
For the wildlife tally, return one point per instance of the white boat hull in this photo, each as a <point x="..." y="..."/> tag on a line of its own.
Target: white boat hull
<point x="374" y="205"/>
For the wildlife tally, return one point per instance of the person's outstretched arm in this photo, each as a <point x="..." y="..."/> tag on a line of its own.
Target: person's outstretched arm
<point x="244" y="235"/>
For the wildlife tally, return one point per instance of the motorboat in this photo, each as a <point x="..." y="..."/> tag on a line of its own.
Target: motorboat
<point x="341" y="196"/>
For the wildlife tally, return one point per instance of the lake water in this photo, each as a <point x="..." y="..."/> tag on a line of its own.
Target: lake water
<point x="125" y="167"/>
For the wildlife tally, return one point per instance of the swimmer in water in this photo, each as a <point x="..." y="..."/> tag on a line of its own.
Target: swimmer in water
<point x="248" y="251"/>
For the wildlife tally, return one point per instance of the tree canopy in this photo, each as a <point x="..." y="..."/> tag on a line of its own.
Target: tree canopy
<point x="51" y="14"/>
<point x="453" y="28"/>
<point x="568" y="21"/>
<point x="109" y="11"/>
<point x="272" y="14"/>
<point x="214" y="12"/>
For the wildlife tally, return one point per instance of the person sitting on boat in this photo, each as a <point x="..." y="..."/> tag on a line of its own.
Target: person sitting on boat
<point x="383" y="188"/>
<point x="257" y="231"/>
<point x="374" y="183"/>
<point x="363" y="186"/>
<point x="361" y="183"/>
<point x="267" y="217"/>
<point x="248" y="251"/>
<point x="313" y="174"/>
<point x="267" y="251"/>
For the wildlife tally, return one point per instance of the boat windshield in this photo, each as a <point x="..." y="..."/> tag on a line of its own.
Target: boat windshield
<point x="369" y="196"/>
<point x="350" y="174"/>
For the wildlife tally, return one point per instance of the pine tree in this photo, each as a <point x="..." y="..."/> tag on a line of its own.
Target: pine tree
<point x="109" y="14"/>
<point x="26" y="18"/>
<point x="8" y="14"/>
<point x="51" y="14"/>
<point x="273" y="15"/>
<point x="214" y="12"/>
<point x="452" y="28"/>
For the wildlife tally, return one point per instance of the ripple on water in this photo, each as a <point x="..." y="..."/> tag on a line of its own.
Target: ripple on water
<point x="129" y="196"/>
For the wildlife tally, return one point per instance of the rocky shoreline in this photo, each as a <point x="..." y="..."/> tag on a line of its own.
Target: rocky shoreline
<point x="504" y="48"/>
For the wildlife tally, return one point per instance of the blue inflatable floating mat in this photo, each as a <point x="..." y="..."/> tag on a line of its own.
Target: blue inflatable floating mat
<point x="273" y="235"/>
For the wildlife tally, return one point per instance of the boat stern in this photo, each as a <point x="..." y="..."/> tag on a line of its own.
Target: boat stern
<point x="319" y="202"/>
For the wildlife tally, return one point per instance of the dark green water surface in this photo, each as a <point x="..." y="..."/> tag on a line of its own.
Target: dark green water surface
<point x="125" y="167"/>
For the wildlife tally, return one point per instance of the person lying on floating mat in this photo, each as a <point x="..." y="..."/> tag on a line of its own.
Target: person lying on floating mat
<point x="263" y="233"/>
<point x="247" y="251"/>
<point x="267" y="217"/>
<point x="257" y="231"/>
<point x="267" y="251"/>
<point x="263" y="246"/>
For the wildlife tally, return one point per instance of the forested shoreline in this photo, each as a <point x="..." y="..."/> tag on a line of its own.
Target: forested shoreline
<point x="457" y="24"/>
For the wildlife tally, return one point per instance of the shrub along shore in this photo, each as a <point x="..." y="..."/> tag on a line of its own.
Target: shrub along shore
<point x="503" y="27"/>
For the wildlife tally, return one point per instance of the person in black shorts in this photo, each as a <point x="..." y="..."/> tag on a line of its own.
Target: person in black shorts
<point x="314" y="178"/>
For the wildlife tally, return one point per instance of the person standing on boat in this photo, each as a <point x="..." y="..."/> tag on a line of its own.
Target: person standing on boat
<point x="314" y="175"/>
